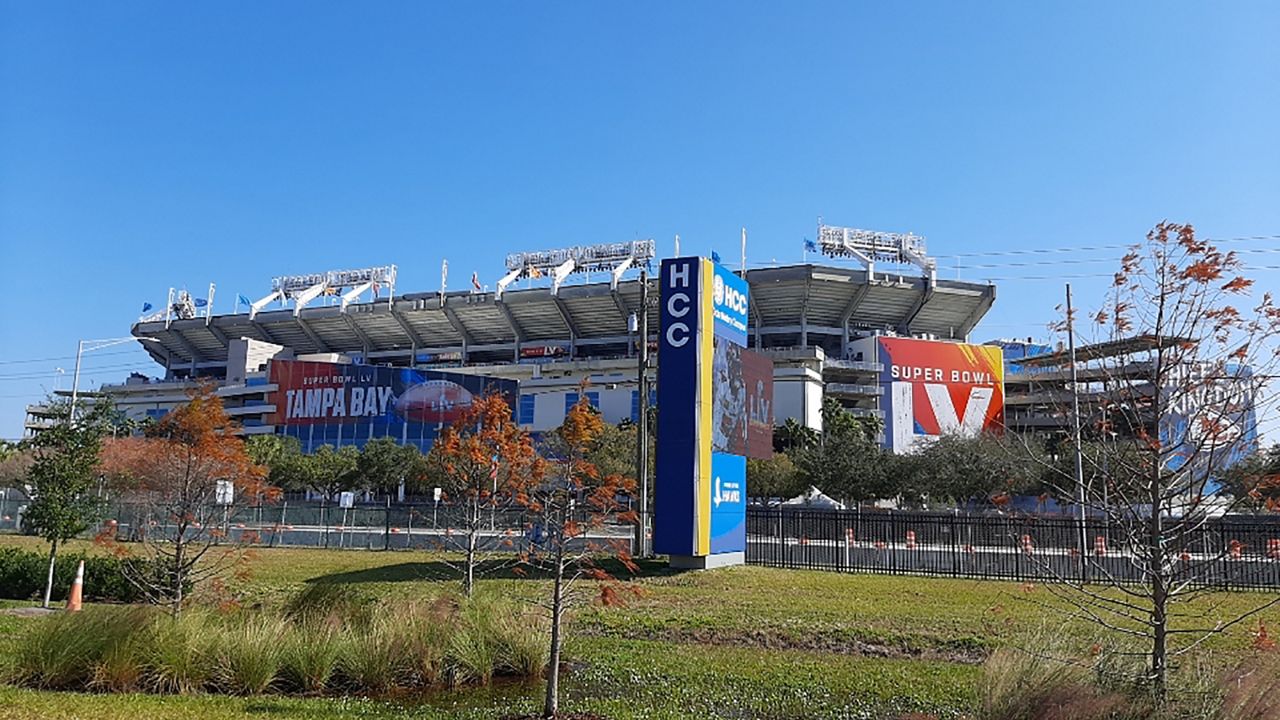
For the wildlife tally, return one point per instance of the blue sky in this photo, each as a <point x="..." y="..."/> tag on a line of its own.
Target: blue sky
<point x="149" y="145"/>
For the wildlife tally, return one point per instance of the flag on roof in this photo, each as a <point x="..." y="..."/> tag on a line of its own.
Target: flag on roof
<point x="810" y="245"/>
<point x="146" y="306"/>
<point x="201" y="302"/>
<point x="475" y="282"/>
<point x="715" y="257"/>
<point x="244" y="300"/>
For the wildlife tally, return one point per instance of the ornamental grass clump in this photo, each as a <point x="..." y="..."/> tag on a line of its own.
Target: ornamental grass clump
<point x="182" y="653"/>
<point x="250" y="656"/>
<point x="309" y="656"/>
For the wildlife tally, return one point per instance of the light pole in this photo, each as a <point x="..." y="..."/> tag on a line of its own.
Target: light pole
<point x="642" y="420"/>
<point x="89" y="346"/>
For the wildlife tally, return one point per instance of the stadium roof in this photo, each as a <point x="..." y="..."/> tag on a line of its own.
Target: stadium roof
<point x="1107" y="349"/>
<point x="791" y="305"/>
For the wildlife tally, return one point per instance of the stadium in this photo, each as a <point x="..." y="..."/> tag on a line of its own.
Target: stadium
<point x="837" y="327"/>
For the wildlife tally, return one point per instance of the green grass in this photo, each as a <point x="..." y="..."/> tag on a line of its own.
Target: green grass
<point x="737" y="642"/>
<point x="619" y="679"/>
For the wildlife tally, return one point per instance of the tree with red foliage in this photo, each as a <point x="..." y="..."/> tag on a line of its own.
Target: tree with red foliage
<point x="176" y="469"/>
<point x="1195" y="350"/>
<point x="486" y="465"/>
<point x="570" y="507"/>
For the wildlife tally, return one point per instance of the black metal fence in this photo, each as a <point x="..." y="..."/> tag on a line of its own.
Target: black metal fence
<point x="1229" y="553"/>
<point x="433" y="526"/>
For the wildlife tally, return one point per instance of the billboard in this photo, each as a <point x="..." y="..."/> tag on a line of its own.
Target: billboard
<point x="1211" y="423"/>
<point x="714" y="396"/>
<point x="938" y="388"/>
<point x="336" y="404"/>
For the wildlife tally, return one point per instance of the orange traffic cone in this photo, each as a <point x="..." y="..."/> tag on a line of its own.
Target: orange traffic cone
<point x="77" y="590"/>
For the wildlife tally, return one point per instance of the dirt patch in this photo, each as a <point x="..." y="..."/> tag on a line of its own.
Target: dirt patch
<point x="821" y="642"/>
<point x="29" y="611"/>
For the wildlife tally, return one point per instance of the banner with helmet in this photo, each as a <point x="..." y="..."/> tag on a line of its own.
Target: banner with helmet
<point x="323" y="403"/>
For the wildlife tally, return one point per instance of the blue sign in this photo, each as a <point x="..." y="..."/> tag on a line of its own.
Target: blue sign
<point x="683" y="438"/>
<point x="701" y="494"/>
<point x="729" y="305"/>
<point x="728" y="503"/>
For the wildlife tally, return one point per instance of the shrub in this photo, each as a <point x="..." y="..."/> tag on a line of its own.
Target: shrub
<point x="23" y="574"/>
<point x="250" y="656"/>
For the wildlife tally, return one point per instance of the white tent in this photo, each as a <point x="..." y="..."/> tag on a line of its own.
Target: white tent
<point x="814" y="498"/>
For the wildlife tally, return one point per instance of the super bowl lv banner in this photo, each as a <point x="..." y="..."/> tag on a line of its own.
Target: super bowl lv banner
<point x="710" y="410"/>
<point x="334" y="404"/>
<point x="937" y="388"/>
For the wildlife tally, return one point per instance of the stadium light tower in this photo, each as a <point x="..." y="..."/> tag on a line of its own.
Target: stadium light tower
<point x="89" y="346"/>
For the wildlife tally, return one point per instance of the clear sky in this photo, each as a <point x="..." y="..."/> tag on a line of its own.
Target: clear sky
<point x="149" y="145"/>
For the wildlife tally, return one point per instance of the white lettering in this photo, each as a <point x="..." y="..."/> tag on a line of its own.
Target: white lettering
<point x="677" y="329"/>
<point x="357" y="401"/>
<point x="288" y="404"/>
<point x="679" y="276"/>
<point x="314" y="396"/>
<point x="671" y="304"/>
<point x="340" y="403"/>
<point x="384" y="396"/>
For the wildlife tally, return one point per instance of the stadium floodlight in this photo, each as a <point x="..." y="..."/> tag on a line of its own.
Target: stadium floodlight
<point x="302" y="289"/>
<point x="612" y="258"/>
<point x="872" y="246"/>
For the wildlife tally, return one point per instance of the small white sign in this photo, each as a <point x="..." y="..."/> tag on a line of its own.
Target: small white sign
<point x="225" y="494"/>
<point x="346" y="499"/>
<point x="436" y="494"/>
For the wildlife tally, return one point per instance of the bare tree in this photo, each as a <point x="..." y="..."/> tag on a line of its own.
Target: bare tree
<point x="487" y="465"/>
<point x="1184" y="351"/>
<point x="574" y="501"/>
<point x="194" y="475"/>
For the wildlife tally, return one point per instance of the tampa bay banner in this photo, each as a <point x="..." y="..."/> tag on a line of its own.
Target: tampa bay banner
<point x="936" y="388"/>
<point x="340" y="404"/>
<point x="714" y="396"/>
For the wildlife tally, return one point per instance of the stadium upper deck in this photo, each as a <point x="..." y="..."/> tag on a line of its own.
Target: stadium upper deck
<point x="806" y="305"/>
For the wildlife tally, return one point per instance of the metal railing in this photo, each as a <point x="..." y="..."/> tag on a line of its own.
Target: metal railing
<point x="1228" y="553"/>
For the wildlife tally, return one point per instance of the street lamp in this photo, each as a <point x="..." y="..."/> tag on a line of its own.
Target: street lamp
<point x="89" y="346"/>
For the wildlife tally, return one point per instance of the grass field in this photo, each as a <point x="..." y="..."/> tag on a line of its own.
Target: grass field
<point x="739" y="642"/>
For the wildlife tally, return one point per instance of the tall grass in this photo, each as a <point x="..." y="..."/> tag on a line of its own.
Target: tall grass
<point x="308" y="659"/>
<point x="181" y="655"/>
<point x="1039" y="684"/>
<point x="327" y="640"/>
<point x="251" y="656"/>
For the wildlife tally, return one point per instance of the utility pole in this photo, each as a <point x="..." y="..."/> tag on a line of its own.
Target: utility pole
<point x="642" y="422"/>
<point x="1075" y="430"/>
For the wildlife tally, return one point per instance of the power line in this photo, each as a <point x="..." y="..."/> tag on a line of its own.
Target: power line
<point x="1090" y="248"/>
<point x="70" y="357"/>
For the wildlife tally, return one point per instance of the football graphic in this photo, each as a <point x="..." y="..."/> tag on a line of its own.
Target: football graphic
<point x="433" y="401"/>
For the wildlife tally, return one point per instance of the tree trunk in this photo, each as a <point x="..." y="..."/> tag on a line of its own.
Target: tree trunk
<point x="48" y="584"/>
<point x="469" y="576"/>
<point x="1159" y="605"/>
<point x="552" y="704"/>
<point x="177" y="576"/>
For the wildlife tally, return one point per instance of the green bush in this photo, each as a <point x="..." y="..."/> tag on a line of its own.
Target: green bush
<point x="23" y="574"/>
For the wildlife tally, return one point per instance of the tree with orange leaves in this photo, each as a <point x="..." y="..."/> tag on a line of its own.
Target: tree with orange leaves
<point x="486" y="465"/>
<point x="1193" y="348"/>
<point x="193" y="474"/>
<point x="572" y="507"/>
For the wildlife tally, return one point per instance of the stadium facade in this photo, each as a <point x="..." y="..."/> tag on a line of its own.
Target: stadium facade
<point x="829" y="330"/>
